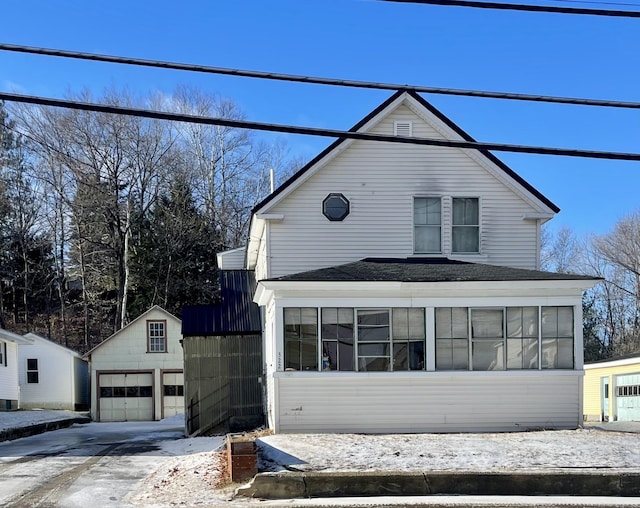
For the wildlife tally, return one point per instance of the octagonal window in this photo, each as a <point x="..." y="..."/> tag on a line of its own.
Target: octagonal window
<point x="335" y="207"/>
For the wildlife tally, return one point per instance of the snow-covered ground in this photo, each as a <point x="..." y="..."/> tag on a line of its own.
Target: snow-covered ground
<point x="187" y="472"/>
<point x="13" y="419"/>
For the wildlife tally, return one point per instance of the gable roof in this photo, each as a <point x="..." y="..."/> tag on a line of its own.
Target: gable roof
<point x="13" y="337"/>
<point x="424" y="270"/>
<point x="38" y="338"/>
<point x="128" y="325"/>
<point x="429" y="107"/>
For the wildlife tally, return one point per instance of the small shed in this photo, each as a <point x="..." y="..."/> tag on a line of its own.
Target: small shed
<point x="52" y="376"/>
<point x="223" y="359"/>
<point x="9" y="385"/>
<point x="612" y="389"/>
<point x="137" y="373"/>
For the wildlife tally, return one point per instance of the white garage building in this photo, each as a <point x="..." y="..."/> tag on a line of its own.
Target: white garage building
<point x="137" y="373"/>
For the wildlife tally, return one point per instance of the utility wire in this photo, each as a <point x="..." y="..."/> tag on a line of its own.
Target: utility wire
<point x="312" y="131"/>
<point x="314" y="80"/>
<point x="523" y="7"/>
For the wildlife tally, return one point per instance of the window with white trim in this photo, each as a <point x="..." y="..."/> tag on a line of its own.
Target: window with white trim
<point x="557" y="337"/>
<point x="427" y="225"/>
<point x="506" y="338"/>
<point x="409" y="336"/>
<point x="33" y="376"/>
<point x="465" y="225"/>
<point x="374" y="340"/>
<point x="3" y="353"/>
<point x="452" y="338"/>
<point x="156" y="336"/>
<point x="301" y="338"/>
<point x="337" y="339"/>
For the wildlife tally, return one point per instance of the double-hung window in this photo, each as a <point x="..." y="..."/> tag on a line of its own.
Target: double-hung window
<point x="32" y="371"/>
<point x="487" y="339"/>
<point x="156" y="337"/>
<point x="427" y="225"/>
<point x="301" y="338"/>
<point x="557" y="337"/>
<point x="337" y="339"/>
<point x="452" y="338"/>
<point x="374" y="339"/>
<point x="522" y="338"/>
<point x="3" y="354"/>
<point x="465" y="225"/>
<point x="408" y="338"/>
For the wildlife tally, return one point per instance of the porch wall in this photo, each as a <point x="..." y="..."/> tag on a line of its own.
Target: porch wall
<point x="428" y="402"/>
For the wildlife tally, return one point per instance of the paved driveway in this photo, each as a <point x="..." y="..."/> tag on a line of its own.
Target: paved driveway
<point x="93" y="465"/>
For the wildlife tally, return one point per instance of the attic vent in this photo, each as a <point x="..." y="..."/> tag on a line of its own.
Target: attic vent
<point x="403" y="128"/>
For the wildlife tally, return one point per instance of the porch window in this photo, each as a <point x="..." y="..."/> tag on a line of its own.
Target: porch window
<point x="156" y="337"/>
<point x="452" y="338"/>
<point x="487" y="339"/>
<point x="301" y="338"/>
<point x="32" y="371"/>
<point x="522" y="338"/>
<point x="557" y="337"/>
<point x="337" y="339"/>
<point x="427" y="225"/>
<point x="408" y="339"/>
<point x="374" y="340"/>
<point x="465" y="227"/>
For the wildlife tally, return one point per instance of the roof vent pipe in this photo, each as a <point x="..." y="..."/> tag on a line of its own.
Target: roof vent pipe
<point x="272" y="177"/>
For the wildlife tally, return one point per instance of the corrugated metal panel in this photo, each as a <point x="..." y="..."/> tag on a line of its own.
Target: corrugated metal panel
<point x="237" y="313"/>
<point x="390" y="404"/>
<point x="222" y="381"/>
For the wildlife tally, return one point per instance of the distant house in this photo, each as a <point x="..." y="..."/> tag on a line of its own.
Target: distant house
<point x="612" y="389"/>
<point x="400" y="289"/>
<point x="9" y="381"/>
<point x="52" y="376"/>
<point x="137" y="373"/>
<point x="223" y="358"/>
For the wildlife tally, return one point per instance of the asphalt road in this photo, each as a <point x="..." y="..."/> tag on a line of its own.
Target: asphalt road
<point x="94" y="465"/>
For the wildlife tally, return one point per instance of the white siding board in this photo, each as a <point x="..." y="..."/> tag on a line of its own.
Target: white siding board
<point x="9" y="387"/>
<point x="428" y="403"/>
<point x="380" y="180"/>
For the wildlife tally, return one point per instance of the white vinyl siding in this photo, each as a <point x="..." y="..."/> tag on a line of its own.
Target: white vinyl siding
<point x="9" y="388"/>
<point x="62" y="375"/>
<point x="381" y="180"/>
<point x="428" y="402"/>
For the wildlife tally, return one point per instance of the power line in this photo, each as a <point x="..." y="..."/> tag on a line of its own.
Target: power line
<point x="312" y="131"/>
<point x="523" y="7"/>
<point x="314" y="80"/>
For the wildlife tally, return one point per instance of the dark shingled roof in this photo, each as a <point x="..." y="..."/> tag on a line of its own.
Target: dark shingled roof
<point x="424" y="270"/>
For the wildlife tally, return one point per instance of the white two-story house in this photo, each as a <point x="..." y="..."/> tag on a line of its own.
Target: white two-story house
<point x="401" y="290"/>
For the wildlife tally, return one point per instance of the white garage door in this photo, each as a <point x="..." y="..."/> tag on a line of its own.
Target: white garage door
<point x="126" y="397"/>
<point x="172" y="394"/>
<point x="628" y="397"/>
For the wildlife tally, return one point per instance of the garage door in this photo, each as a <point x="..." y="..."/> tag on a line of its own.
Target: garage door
<point x="126" y="397"/>
<point x="628" y="397"/>
<point x="172" y="394"/>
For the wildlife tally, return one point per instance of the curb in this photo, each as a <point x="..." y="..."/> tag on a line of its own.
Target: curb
<point x="286" y="485"/>
<point x="39" y="428"/>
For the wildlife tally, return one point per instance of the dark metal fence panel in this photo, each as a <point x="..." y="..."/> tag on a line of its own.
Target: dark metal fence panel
<point x="222" y="382"/>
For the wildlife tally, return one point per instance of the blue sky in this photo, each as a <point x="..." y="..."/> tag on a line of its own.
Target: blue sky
<point x="449" y="47"/>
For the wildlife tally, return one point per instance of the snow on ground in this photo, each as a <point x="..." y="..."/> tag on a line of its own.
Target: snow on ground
<point x="540" y="450"/>
<point x="190" y="471"/>
<point x="13" y="419"/>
